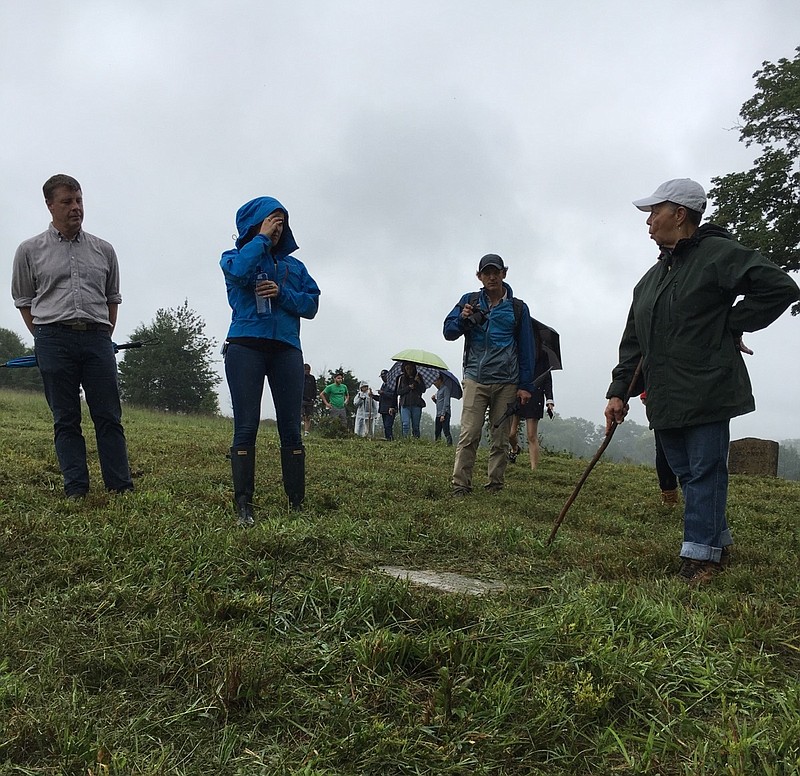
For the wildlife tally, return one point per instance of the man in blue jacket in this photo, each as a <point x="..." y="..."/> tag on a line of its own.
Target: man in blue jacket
<point x="499" y="359"/>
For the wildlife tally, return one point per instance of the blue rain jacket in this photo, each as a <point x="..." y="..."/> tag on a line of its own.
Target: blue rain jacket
<point x="497" y="351"/>
<point x="299" y="294"/>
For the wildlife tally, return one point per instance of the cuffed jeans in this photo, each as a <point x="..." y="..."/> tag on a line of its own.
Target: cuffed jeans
<point x="477" y="398"/>
<point x="410" y="418"/>
<point x="67" y="360"/>
<point x="699" y="457"/>
<point x="245" y="370"/>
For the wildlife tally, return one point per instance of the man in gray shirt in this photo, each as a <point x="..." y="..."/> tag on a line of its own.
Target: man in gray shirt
<point x="65" y="283"/>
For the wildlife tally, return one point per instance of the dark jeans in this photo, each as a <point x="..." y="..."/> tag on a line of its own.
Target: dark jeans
<point x="388" y="425"/>
<point x="666" y="477"/>
<point x="245" y="370"/>
<point x="68" y="360"/>
<point x="443" y="426"/>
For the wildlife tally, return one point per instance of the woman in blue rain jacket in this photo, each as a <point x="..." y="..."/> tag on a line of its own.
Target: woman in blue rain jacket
<point x="264" y="341"/>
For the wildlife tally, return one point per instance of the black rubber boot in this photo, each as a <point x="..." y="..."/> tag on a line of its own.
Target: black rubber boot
<point x="293" y="466"/>
<point x="243" y="469"/>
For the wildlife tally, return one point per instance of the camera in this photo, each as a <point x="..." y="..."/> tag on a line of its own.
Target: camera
<point x="477" y="318"/>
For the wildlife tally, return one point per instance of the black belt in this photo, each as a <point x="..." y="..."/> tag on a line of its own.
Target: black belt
<point x="81" y="326"/>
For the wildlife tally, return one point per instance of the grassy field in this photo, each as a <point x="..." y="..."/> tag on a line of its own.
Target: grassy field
<point x="146" y="634"/>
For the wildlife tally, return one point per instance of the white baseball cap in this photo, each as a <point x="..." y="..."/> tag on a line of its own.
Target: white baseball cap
<point x="681" y="191"/>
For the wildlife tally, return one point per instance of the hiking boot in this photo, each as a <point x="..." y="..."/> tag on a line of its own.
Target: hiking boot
<point x="512" y="455"/>
<point x="698" y="572"/>
<point x="245" y="516"/>
<point x="493" y="487"/>
<point x="461" y="492"/>
<point x="669" y="498"/>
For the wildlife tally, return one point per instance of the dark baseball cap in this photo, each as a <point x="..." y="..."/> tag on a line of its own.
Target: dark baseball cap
<point x="491" y="260"/>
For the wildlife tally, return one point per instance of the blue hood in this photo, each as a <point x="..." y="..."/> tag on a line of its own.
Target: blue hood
<point x="254" y="212"/>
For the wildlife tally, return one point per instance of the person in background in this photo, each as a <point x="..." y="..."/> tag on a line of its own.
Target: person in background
<point x="499" y="362"/>
<point x="387" y="406"/>
<point x="366" y="411"/>
<point x="309" y="397"/>
<point x="667" y="480"/>
<point x="335" y="398"/>
<point x="269" y="291"/>
<point x="532" y="413"/>
<point x="65" y="283"/>
<point x="685" y="327"/>
<point x="442" y="398"/>
<point x="410" y="388"/>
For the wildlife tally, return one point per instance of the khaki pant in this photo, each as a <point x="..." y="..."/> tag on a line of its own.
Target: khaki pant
<point x="476" y="399"/>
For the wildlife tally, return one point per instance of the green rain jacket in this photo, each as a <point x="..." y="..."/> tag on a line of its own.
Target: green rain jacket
<point x="684" y="324"/>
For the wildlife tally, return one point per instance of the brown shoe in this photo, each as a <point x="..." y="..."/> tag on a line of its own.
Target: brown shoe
<point x="698" y="572"/>
<point x="669" y="498"/>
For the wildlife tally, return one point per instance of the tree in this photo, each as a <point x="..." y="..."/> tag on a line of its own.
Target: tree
<point x="25" y="378"/>
<point x="762" y="206"/>
<point x="176" y="374"/>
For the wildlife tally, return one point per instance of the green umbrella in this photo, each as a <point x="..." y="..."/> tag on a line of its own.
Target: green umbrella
<point x="421" y="357"/>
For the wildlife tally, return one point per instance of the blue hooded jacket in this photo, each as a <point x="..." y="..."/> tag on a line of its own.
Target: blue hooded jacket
<point x="299" y="294"/>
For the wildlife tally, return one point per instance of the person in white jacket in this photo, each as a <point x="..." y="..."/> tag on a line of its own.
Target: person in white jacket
<point x="366" y="411"/>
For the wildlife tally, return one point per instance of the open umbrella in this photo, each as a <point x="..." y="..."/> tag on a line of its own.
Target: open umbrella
<point x="420" y="358"/>
<point x="427" y="373"/>
<point x="548" y="347"/>
<point x="455" y="384"/>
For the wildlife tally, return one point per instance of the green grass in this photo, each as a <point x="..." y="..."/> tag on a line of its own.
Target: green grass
<point x="146" y="634"/>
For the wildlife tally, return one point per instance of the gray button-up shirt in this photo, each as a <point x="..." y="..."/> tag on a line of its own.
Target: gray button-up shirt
<point x="66" y="280"/>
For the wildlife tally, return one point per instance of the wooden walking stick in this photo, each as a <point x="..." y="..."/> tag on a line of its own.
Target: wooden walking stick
<point x="597" y="455"/>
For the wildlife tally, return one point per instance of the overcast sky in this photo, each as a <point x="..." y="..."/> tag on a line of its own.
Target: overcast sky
<point x="406" y="140"/>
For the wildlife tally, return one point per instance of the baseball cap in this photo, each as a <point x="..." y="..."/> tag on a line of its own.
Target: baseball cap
<point x="681" y="191"/>
<point x="491" y="260"/>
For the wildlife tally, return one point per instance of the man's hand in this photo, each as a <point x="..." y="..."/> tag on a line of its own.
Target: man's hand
<point x="615" y="412"/>
<point x="523" y="396"/>
<point x="466" y="311"/>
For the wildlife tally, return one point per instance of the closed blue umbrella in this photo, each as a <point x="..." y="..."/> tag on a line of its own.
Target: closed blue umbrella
<point x="26" y="361"/>
<point x="19" y="362"/>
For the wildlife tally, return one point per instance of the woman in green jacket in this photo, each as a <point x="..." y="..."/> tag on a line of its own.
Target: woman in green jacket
<point x="685" y="326"/>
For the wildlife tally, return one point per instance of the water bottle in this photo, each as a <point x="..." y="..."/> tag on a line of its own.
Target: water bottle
<point x="263" y="306"/>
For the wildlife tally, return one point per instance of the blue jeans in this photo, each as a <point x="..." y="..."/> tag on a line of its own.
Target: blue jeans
<point x="67" y="360"/>
<point x="410" y="418"/>
<point x="699" y="457"/>
<point x="245" y="370"/>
